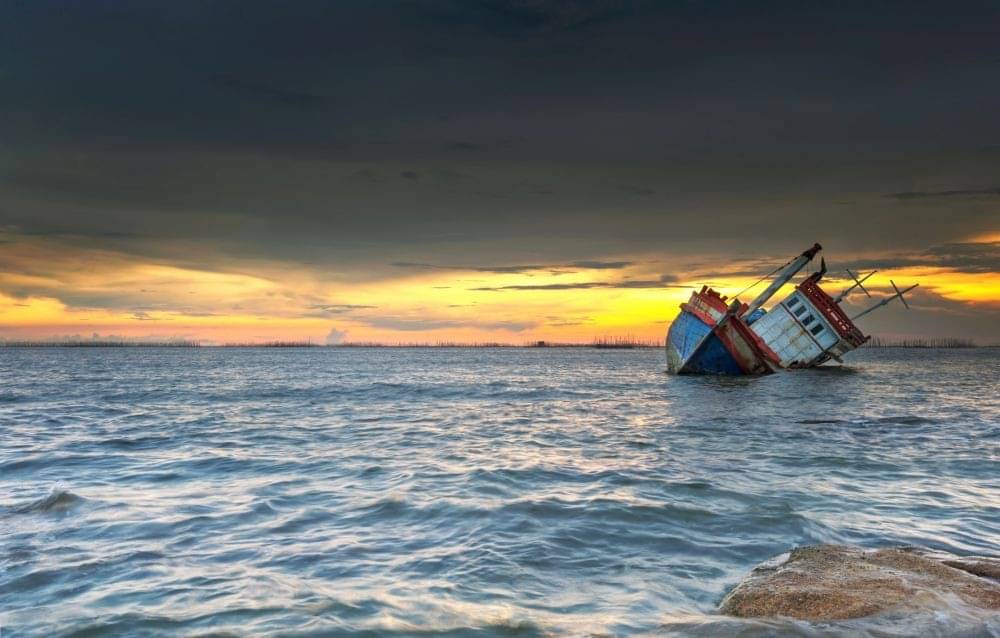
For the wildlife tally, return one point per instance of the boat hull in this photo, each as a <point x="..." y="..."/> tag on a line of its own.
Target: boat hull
<point x="708" y="337"/>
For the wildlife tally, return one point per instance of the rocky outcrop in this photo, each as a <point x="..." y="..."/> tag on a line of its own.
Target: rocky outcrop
<point x="833" y="582"/>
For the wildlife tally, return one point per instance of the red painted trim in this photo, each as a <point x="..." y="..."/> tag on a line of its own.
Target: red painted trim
<point x="754" y="356"/>
<point x="705" y="318"/>
<point x="713" y="299"/>
<point x="721" y="332"/>
<point x="759" y="344"/>
<point x="833" y="313"/>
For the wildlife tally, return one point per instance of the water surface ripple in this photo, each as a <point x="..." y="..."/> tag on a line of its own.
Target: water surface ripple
<point x="155" y="491"/>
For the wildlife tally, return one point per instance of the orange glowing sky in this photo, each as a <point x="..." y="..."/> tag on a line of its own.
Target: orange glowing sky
<point x="53" y="292"/>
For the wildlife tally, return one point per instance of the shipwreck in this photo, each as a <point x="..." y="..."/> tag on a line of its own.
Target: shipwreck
<point x="716" y="335"/>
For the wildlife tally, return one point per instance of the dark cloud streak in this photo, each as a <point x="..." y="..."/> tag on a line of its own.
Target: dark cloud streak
<point x="521" y="268"/>
<point x="981" y="192"/>
<point x="981" y="257"/>
<point x="665" y="281"/>
<point x="419" y="325"/>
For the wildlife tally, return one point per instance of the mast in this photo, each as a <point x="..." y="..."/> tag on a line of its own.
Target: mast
<point x="899" y="293"/>
<point x="783" y="277"/>
<point x="858" y="283"/>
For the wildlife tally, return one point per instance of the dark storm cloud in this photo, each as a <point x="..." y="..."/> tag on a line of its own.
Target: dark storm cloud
<point x="298" y="99"/>
<point x="600" y="265"/>
<point x="590" y="264"/>
<point x="86" y="298"/>
<point x="966" y="257"/>
<point x="348" y="135"/>
<point x="665" y="281"/>
<point x="470" y="146"/>
<point x="97" y="234"/>
<point x="516" y="268"/>
<point x="981" y="257"/>
<point x="519" y="19"/>
<point x="981" y="192"/>
<point x="644" y="191"/>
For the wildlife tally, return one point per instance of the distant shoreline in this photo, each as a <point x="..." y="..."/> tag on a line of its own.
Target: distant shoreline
<point x="880" y="344"/>
<point x="343" y="346"/>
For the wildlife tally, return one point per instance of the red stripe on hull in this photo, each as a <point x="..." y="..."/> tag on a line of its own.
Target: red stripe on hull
<point x="744" y="351"/>
<point x="765" y="351"/>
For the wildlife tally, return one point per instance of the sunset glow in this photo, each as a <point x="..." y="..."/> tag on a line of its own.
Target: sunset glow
<point x="59" y="294"/>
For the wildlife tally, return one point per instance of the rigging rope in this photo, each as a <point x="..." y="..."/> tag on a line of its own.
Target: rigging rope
<point x="778" y="269"/>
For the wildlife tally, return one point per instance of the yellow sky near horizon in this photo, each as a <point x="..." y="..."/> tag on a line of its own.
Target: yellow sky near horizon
<point x="81" y="292"/>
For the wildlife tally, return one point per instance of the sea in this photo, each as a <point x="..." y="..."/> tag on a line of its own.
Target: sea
<point x="154" y="491"/>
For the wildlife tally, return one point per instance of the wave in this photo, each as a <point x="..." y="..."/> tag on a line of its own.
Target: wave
<point x="391" y="391"/>
<point x="905" y="419"/>
<point x="237" y="492"/>
<point x="55" y="501"/>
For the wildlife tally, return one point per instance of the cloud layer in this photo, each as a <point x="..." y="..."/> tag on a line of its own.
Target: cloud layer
<point x="396" y="166"/>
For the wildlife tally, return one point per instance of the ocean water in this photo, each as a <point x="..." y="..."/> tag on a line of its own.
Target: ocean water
<point x="365" y="492"/>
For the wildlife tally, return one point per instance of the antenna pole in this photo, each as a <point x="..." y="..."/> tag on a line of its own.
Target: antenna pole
<point x="783" y="277"/>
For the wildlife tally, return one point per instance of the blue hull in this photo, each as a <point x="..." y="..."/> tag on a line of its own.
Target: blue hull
<point x="692" y="348"/>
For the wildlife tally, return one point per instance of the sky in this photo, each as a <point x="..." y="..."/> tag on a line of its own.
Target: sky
<point x="488" y="171"/>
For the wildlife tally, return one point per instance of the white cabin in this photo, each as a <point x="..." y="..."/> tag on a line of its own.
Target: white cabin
<point x="807" y="328"/>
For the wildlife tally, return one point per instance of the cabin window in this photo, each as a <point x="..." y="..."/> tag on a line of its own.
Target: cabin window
<point x="808" y="320"/>
<point x="818" y="328"/>
<point x="794" y="301"/>
<point x="798" y="313"/>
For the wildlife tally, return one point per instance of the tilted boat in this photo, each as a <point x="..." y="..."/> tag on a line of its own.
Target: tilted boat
<point x="716" y="335"/>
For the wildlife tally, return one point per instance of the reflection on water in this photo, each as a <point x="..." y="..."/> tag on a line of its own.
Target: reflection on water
<point x="327" y="492"/>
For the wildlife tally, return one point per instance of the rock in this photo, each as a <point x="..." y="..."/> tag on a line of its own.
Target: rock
<point x="833" y="582"/>
<point x="985" y="567"/>
<point x="976" y="565"/>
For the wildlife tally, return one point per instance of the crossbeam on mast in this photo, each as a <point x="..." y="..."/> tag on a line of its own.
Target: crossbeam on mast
<point x="899" y="293"/>
<point x="858" y="283"/>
